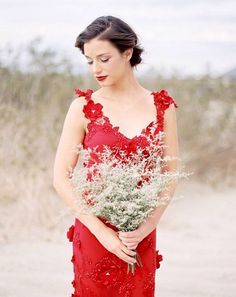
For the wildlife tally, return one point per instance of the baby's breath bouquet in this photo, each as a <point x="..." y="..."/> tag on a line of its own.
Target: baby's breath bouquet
<point x="123" y="189"/>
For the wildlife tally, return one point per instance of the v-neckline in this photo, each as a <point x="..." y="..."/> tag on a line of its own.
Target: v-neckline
<point x="117" y="128"/>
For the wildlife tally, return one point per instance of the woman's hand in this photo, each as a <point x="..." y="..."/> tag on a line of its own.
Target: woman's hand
<point x="110" y="240"/>
<point x="133" y="238"/>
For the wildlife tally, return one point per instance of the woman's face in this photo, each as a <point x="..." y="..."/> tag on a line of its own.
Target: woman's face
<point x="105" y="60"/>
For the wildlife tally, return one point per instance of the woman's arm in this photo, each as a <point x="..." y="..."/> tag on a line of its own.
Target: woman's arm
<point x="72" y="134"/>
<point x="131" y="239"/>
<point x="172" y="149"/>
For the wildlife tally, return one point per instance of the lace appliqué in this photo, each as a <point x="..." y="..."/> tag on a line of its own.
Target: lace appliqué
<point x="148" y="243"/>
<point x="86" y="94"/>
<point x="110" y="272"/>
<point x="100" y="121"/>
<point x="70" y="233"/>
<point x="106" y="272"/>
<point x="92" y="110"/>
<point x="162" y="101"/>
<point x="158" y="259"/>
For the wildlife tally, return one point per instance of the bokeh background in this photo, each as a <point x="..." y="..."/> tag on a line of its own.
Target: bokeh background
<point x="190" y="50"/>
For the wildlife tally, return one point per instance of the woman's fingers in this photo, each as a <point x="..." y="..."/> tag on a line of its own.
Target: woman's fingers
<point x="129" y="243"/>
<point x="128" y="251"/>
<point x="132" y="246"/>
<point x="128" y="240"/>
<point x="124" y="256"/>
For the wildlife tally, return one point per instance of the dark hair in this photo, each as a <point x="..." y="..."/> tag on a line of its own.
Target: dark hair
<point x="115" y="30"/>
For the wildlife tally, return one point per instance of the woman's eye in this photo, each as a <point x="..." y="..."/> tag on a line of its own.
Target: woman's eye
<point x="104" y="61"/>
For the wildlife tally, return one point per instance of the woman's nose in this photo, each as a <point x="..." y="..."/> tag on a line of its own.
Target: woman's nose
<point x="96" y="68"/>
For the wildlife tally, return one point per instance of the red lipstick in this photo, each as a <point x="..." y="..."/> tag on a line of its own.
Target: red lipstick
<point x="101" y="77"/>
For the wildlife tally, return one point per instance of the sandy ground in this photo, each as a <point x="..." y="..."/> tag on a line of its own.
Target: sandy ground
<point x="196" y="237"/>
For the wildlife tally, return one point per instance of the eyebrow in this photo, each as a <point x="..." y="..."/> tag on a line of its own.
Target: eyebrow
<point x="98" y="55"/>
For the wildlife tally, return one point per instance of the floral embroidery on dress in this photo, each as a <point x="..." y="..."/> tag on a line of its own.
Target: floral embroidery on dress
<point x="70" y="233"/>
<point x="83" y="93"/>
<point x="73" y="283"/>
<point x="163" y="101"/>
<point x="77" y="240"/>
<point x="92" y="110"/>
<point x="73" y="258"/>
<point x="100" y="121"/>
<point x="159" y="258"/>
<point x="76" y="295"/>
<point x="150" y="242"/>
<point x="107" y="271"/>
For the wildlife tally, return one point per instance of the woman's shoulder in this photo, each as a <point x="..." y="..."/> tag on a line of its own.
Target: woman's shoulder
<point x="78" y="102"/>
<point x="84" y="103"/>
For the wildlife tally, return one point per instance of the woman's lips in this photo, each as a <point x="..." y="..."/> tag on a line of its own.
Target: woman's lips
<point x="101" y="77"/>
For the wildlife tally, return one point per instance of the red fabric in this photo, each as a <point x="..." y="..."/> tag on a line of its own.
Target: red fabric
<point x="98" y="272"/>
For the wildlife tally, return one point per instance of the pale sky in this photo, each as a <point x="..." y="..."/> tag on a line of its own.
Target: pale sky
<point x="179" y="34"/>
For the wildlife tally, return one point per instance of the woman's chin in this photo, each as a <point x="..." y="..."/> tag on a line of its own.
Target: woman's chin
<point x="105" y="84"/>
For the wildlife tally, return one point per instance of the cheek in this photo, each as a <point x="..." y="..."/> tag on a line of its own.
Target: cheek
<point x="111" y="67"/>
<point x="117" y="69"/>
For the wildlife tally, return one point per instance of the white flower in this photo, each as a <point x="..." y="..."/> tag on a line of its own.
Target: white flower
<point x="123" y="190"/>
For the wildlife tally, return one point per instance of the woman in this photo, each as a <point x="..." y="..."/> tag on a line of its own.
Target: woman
<point x="121" y="111"/>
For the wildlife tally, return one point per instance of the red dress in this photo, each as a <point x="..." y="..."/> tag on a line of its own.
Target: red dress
<point x="98" y="272"/>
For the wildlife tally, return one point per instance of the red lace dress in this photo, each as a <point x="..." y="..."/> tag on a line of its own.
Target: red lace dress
<point x="98" y="272"/>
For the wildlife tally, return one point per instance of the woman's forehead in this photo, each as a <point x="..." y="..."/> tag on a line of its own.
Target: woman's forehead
<point x="97" y="48"/>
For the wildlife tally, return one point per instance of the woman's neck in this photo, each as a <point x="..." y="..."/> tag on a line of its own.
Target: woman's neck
<point x="125" y="90"/>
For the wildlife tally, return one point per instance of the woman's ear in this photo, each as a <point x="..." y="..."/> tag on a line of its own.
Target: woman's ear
<point x="128" y="54"/>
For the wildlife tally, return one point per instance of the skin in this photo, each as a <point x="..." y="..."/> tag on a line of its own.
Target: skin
<point x="123" y="100"/>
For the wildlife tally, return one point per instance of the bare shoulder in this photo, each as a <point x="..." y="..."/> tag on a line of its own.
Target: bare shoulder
<point x="171" y="109"/>
<point x="168" y="102"/>
<point x="75" y="112"/>
<point x="77" y="104"/>
<point x="170" y="117"/>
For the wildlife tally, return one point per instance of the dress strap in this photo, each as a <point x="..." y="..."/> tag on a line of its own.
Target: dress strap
<point x="91" y="110"/>
<point x="162" y="101"/>
<point x="86" y="94"/>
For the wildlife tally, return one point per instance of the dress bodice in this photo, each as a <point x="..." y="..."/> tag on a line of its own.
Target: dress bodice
<point x="101" y="131"/>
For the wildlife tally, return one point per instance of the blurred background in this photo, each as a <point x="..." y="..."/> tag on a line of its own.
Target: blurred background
<point x="190" y="50"/>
